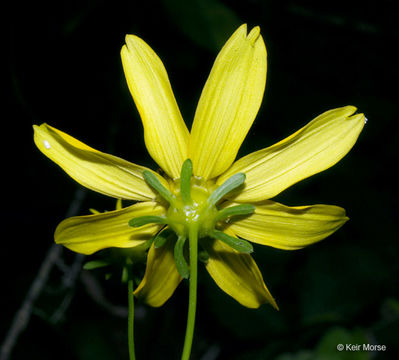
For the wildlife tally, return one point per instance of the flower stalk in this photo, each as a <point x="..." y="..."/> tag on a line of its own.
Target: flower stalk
<point x="194" y="217"/>
<point x="192" y="297"/>
<point x="130" y="326"/>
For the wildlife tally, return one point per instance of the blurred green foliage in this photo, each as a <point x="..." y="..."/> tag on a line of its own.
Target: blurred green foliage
<point x="208" y="23"/>
<point x="65" y="69"/>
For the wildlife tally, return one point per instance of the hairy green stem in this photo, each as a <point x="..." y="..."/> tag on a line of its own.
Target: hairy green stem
<point x="192" y="300"/>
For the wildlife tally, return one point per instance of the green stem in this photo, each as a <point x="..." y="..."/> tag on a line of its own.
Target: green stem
<point x="192" y="299"/>
<point x="132" y="356"/>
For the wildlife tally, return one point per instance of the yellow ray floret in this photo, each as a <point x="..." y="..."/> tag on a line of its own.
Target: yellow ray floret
<point x="88" y="234"/>
<point x="104" y="173"/>
<point x="229" y="103"/>
<point x="289" y="228"/>
<point x="314" y="148"/>
<point x="165" y="133"/>
<point x="237" y="274"/>
<point x="161" y="276"/>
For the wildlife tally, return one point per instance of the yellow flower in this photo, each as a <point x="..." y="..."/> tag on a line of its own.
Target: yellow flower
<point x="227" y="200"/>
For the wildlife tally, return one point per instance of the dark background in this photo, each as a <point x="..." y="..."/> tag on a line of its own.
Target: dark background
<point x="64" y="69"/>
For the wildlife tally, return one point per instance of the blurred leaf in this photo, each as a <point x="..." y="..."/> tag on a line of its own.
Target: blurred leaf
<point x="208" y="23"/>
<point x="125" y="275"/>
<point x="390" y="309"/>
<point x="108" y="276"/>
<point x="335" y="293"/>
<point x="327" y="347"/>
<point x="269" y="352"/>
<point x="91" y="341"/>
<point x="246" y="324"/>
<point x="95" y="264"/>
<point x="387" y="329"/>
<point x="301" y="355"/>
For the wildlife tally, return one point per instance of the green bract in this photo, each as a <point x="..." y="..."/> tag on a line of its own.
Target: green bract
<point x="195" y="207"/>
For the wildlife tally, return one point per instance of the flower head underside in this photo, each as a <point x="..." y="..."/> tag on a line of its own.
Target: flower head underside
<point x="227" y="201"/>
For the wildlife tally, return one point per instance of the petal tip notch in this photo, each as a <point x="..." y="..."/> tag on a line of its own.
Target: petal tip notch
<point x="130" y="38"/>
<point x="348" y="110"/>
<point x="360" y="118"/>
<point x="242" y="29"/>
<point x="349" y="113"/>
<point x="253" y="36"/>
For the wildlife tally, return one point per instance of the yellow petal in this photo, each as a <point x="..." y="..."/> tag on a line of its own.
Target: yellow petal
<point x="314" y="148"/>
<point x="229" y="103"/>
<point x="289" y="228"/>
<point x="88" y="234"/>
<point x="118" y="204"/>
<point x="104" y="173"/>
<point x="237" y="274"/>
<point x="165" y="133"/>
<point x="161" y="277"/>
